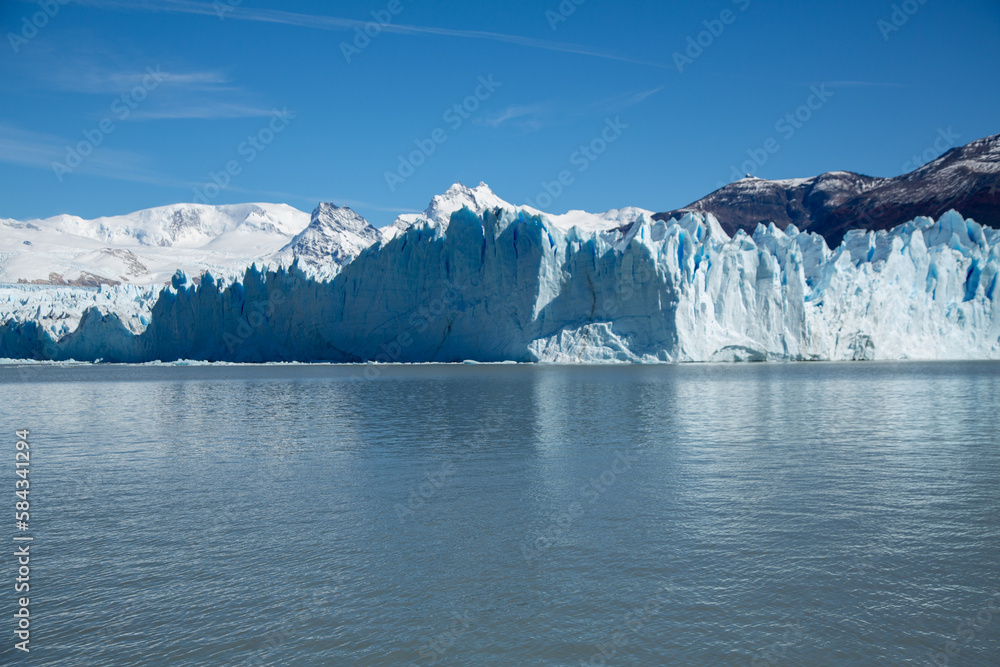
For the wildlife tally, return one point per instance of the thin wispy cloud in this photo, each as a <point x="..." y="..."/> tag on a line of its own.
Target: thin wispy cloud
<point x="322" y="22"/>
<point x="840" y="83"/>
<point x="88" y="78"/>
<point x="868" y="84"/>
<point x="37" y="150"/>
<point x="26" y="148"/>
<point x="615" y="103"/>
<point x="624" y="101"/>
<point x="203" y="111"/>
<point x="642" y="95"/>
<point x="197" y="94"/>
<point x="533" y="117"/>
<point x="514" y="112"/>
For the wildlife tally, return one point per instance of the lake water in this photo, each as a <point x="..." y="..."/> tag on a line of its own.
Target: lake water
<point x="760" y="514"/>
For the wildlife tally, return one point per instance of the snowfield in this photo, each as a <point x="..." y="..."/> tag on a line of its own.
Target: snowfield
<point x="474" y="278"/>
<point x="145" y="247"/>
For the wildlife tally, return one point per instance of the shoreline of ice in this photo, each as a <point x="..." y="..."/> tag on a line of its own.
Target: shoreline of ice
<point x="508" y="286"/>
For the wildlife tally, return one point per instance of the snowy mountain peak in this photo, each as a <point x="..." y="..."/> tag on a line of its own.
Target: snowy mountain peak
<point x="334" y="237"/>
<point x="331" y="217"/>
<point x="481" y="199"/>
<point x="478" y="199"/>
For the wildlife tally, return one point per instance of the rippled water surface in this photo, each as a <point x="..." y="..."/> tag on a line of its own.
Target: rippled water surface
<point x="764" y="514"/>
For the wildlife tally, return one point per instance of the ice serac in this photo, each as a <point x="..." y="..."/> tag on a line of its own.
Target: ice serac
<point x="503" y="284"/>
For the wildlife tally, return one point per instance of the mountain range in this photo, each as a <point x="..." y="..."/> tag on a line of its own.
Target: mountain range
<point x="965" y="179"/>
<point x="147" y="247"/>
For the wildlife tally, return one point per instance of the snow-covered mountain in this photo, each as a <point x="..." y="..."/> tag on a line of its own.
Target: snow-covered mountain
<point x="145" y="247"/>
<point x="334" y="237"/>
<point x="481" y="199"/>
<point x="478" y="200"/>
<point x="966" y="179"/>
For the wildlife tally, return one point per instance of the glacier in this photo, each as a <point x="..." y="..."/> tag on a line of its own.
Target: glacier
<point x="497" y="283"/>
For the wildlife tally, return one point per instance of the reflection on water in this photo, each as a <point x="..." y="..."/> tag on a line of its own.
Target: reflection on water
<point x="801" y="514"/>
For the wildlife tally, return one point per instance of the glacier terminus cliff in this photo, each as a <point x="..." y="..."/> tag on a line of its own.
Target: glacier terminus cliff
<point x="477" y="279"/>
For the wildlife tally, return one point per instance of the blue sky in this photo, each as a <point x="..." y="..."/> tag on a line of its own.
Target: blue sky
<point x="110" y="106"/>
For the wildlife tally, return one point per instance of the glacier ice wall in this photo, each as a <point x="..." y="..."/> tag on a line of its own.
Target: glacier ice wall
<point x="506" y="285"/>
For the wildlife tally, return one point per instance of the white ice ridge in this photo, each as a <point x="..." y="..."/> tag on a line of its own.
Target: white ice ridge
<point x="502" y="284"/>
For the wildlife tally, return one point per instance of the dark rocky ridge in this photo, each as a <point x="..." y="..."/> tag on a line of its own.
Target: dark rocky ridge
<point x="966" y="179"/>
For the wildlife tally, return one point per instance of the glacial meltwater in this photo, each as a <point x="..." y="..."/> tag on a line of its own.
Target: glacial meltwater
<point x="752" y="514"/>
